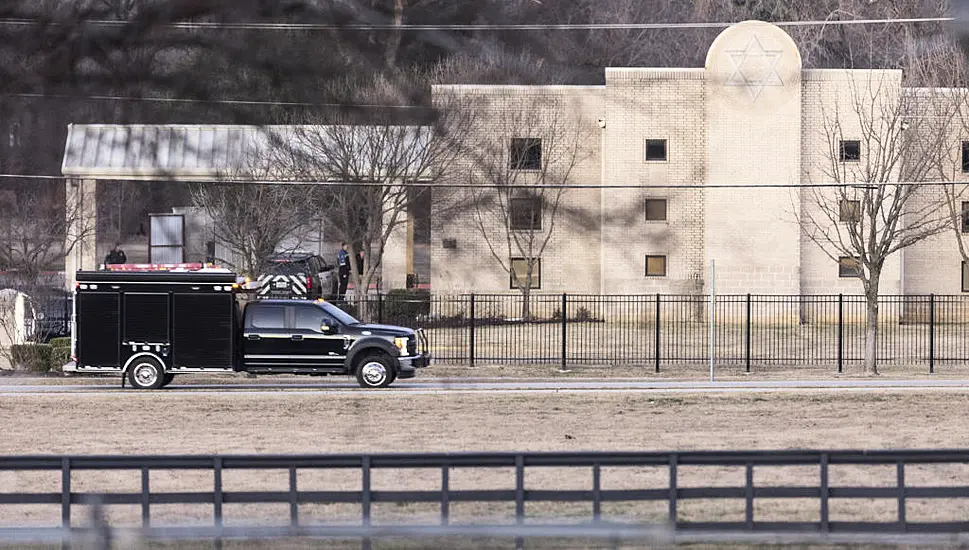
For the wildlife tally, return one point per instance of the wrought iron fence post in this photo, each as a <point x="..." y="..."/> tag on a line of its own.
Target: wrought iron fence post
<point x="217" y="498"/>
<point x="66" y="497"/>
<point x="841" y="328"/>
<point x="445" y="494"/>
<point x="825" y="494"/>
<point x="747" y="339"/>
<point x="656" y="333"/>
<point x="145" y="497"/>
<point x="471" y="331"/>
<point x="931" y="333"/>
<point x="565" y="324"/>
<point x="380" y="308"/>
<point x="519" y="497"/>
<point x="366" y="498"/>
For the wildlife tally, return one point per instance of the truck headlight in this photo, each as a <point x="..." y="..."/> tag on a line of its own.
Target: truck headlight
<point x="401" y="344"/>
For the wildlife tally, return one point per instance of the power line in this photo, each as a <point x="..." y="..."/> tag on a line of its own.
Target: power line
<point x="202" y="25"/>
<point x="210" y="101"/>
<point x="696" y="186"/>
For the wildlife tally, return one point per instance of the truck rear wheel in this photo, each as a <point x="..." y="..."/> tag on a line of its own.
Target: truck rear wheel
<point x="375" y="371"/>
<point x="146" y="373"/>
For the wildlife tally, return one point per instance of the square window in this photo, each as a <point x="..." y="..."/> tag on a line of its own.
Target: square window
<point x="526" y="154"/>
<point x="965" y="276"/>
<point x="656" y="266"/>
<point x="656" y="150"/>
<point x="655" y="210"/>
<point x="849" y="266"/>
<point x="965" y="156"/>
<point x="525" y="213"/>
<point x="519" y="273"/>
<point x="850" y="211"/>
<point x="850" y="150"/>
<point x="965" y="216"/>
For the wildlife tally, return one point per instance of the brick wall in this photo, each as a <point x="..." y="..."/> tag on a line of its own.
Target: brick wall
<point x="570" y="260"/>
<point x="750" y="117"/>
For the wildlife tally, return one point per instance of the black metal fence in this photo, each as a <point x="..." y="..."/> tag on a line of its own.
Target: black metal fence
<point x="663" y="330"/>
<point x="795" y="491"/>
<point x="657" y="331"/>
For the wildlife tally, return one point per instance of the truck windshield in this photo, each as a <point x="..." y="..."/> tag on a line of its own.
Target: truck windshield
<point x="339" y="314"/>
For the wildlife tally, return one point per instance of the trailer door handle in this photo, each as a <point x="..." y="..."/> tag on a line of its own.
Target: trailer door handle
<point x="252" y="337"/>
<point x="296" y="337"/>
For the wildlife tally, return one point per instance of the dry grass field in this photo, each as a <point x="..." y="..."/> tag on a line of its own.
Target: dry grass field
<point x="294" y="422"/>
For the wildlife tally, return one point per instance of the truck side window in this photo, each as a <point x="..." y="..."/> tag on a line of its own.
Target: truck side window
<point x="269" y="317"/>
<point x="309" y="318"/>
<point x="312" y="318"/>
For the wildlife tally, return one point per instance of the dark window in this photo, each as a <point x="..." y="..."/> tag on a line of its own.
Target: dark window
<point x="850" y="150"/>
<point x="268" y="317"/>
<point x="519" y="273"/>
<point x="310" y="318"/>
<point x="965" y="217"/>
<point x="656" y="266"/>
<point x="525" y="213"/>
<point x="450" y="243"/>
<point x="850" y="211"/>
<point x="965" y="276"/>
<point x="849" y="267"/>
<point x="655" y="210"/>
<point x="656" y="149"/>
<point x="965" y="156"/>
<point x="526" y="154"/>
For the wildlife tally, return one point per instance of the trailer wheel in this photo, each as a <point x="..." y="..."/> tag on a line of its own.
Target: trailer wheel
<point x="375" y="370"/>
<point x="167" y="379"/>
<point x="146" y="373"/>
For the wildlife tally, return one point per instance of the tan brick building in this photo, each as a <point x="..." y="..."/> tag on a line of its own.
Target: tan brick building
<point x="649" y="213"/>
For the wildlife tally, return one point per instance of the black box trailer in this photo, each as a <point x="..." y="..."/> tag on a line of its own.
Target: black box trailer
<point x="150" y="326"/>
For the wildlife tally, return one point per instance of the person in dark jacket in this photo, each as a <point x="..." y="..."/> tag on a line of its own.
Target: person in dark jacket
<point x="116" y="256"/>
<point x="343" y="265"/>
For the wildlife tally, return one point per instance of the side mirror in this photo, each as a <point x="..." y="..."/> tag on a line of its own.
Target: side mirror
<point x="327" y="329"/>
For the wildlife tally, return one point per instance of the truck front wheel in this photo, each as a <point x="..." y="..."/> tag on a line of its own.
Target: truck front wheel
<point x="167" y="379"/>
<point x="375" y="371"/>
<point x="146" y="373"/>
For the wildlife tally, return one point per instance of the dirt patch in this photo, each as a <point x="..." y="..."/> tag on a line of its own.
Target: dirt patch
<point x="293" y="422"/>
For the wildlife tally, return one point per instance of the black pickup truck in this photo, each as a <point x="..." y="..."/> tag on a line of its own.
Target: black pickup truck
<point x="150" y="326"/>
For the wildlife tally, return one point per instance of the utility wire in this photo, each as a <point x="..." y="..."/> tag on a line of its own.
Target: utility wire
<point x="700" y="186"/>
<point x="210" y="101"/>
<point x="211" y="25"/>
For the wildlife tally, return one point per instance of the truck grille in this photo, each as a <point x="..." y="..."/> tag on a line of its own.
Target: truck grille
<point x="412" y="345"/>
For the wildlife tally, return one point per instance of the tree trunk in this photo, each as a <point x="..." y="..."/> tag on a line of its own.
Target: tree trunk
<point x="526" y="302"/>
<point x="871" y="331"/>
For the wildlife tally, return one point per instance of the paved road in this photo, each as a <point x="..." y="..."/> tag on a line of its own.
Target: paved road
<point x="457" y="385"/>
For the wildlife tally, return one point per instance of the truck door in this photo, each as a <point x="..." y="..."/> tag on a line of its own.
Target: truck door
<point x="308" y="340"/>
<point x="264" y="335"/>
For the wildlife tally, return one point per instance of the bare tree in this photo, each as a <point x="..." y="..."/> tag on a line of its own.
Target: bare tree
<point x="34" y="230"/>
<point x="251" y="220"/>
<point x="520" y="165"/>
<point x="367" y="175"/>
<point x="885" y="147"/>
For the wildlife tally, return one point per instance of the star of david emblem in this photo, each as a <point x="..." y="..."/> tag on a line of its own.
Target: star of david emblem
<point x="754" y="68"/>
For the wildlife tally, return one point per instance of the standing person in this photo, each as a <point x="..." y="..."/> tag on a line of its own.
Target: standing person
<point x="360" y="263"/>
<point x="116" y="256"/>
<point x="343" y="265"/>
